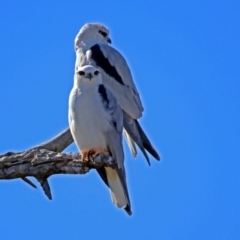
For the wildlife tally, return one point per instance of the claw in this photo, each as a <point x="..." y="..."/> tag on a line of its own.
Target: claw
<point x="92" y="153"/>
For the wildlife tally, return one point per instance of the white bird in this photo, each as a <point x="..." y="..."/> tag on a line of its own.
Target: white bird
<point x="96" y="124"/>
<point x="92" y="47"/>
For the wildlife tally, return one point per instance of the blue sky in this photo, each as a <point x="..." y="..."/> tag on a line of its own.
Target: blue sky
<point x="185" y="59"/>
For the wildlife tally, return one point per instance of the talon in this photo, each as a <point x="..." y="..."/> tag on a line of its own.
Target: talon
<point x="90" y="153"/>
<point x="84" y="156"/>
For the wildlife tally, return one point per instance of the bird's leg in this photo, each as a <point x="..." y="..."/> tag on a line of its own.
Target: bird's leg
<point x="84" y="155"/>
<point x="92" y="153"/>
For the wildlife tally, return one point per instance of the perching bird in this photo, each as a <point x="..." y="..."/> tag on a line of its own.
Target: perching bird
<point x="96" y="124"/>
<point x="92" y="47"/>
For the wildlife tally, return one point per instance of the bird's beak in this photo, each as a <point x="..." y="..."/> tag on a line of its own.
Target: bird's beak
<point x="109" y="41"/>
<point x="89" y="75"/>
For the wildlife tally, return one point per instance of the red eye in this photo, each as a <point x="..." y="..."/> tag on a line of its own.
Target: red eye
<point x="81" y="73"/>
<point x="96" y="72"/>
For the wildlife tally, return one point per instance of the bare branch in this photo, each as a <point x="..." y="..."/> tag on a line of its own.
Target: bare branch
<point x="58" y="143"/>
<point x="42" y="163"/>
<point x="46" y="187"/>
<point x="29" y="182"/>
<point x="45" y="160"/>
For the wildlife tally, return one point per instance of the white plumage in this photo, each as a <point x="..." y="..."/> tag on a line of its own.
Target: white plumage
<point x="92" y="47"/>
<point x="96" y="124"/>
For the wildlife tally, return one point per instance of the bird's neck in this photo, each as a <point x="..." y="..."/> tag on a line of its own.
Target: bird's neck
<point x="82" y="87"/>
<point x="88" y="43"/>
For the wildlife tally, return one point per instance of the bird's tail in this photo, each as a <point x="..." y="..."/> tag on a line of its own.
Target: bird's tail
<point x="116" y="181"/>
<point x="130" y="143"/>
<point x="136" y="133"/>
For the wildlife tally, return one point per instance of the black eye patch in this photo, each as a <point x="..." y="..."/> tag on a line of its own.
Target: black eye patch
<point x="96" y="72"/>
<point x="103" y="33"/>
<point x="81" y="73"/>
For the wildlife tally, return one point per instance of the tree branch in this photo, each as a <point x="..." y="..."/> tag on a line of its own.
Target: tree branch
<point x="58" y="143"/>
<point x="45" y="160"/>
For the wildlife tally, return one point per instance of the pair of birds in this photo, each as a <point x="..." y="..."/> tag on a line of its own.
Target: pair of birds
<point x="103" y="104"/>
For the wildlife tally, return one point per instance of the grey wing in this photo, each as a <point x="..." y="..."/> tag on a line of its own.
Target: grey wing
<point x="113" y="67"/>
<point x="114" y="140"/>
<point x="113" y="136"/>
<point x="135" y="134"/>
<point x="133" y="131"/>
<point x="117" y="77"/>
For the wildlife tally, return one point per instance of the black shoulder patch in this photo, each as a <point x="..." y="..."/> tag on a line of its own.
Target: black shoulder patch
<point x="105" y="101"/>
<point x="114" y="123"/>
<point x="103" y="62"/>
<point x="103" y="93"/>
<point x="103" y="33"/>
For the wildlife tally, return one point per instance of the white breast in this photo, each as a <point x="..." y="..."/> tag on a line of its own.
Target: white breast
<point x="88" y="119"/>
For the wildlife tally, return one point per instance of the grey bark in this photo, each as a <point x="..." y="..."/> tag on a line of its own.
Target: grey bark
<point x="45" y="160"/>
<point x="58" y="143"/>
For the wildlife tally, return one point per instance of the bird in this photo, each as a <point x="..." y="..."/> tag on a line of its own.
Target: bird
<point x="96" y="124"/>
<point x="92" y="47"/>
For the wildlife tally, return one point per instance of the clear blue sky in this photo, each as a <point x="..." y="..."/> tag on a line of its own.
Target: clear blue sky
<point x="185" y="59"/>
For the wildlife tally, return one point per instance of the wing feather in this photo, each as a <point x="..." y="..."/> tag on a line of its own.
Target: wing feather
<point x="113" y="136"/>
<point x="114" y="140"/>
<point x="116" y="76"/>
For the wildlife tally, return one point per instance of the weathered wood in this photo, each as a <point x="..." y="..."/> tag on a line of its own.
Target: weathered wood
<point x="43" y="163"/>
<point x="45" y="160"/>
<point x="58" y="143"/>
<point x="28" y="182"/>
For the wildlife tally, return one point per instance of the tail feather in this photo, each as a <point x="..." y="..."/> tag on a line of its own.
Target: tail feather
<point x="146" y="143"/>
<point x="128" y="210"/>
<point x="133" y="133"/>
<point x="116" y="181"/>
<point x="118" y="196"/>
<point x="130" y="143"/>
<point x="136" y="133"/>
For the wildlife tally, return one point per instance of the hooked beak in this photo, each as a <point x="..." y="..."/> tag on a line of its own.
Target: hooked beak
<point x="109" y="41"/>
<point x="89" y="75"/>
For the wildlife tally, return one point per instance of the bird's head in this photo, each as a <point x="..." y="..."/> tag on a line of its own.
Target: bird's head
<point x="92" y="32"/>
<point x="87" y="76"/>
